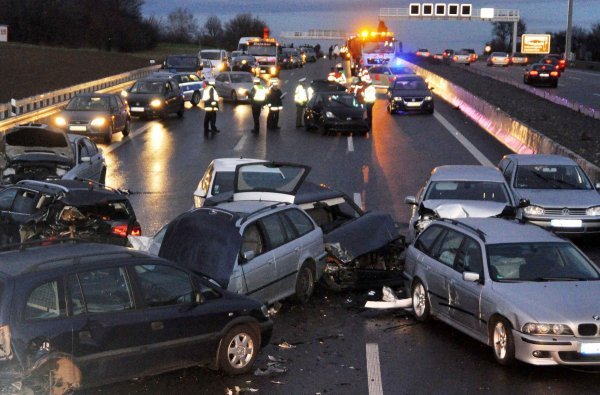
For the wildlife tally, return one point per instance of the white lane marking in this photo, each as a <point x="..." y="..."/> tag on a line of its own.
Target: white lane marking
<point x="240" y="144"/>
<point x="574" y="78"/>
<point x="358" y="199"/>
<point x="132" y="135"/>
<point x="596" y="94"/>
<point x="374" y="369"/>
<point x="463" y="140"/>
<point x="285" y="82"/>
<point x="350" y="144"/>
<point x="291" y="73"/>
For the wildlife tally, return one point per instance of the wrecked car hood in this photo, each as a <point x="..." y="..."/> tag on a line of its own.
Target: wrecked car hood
<point x="35" y="144"/>
<point x="368" y="233"/>
<point x="465" y="208"/>
<point x="206" y="241"/>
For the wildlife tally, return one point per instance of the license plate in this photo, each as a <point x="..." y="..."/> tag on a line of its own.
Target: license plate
<point x="348" y="119"/>
<point x="566" y="223"/>
<point x="411" y="104"/>
<point x="589" y="348"/>
<point x="544" y="75"/>
<point x="137" y="109"/>
<point x="78" y="128"/>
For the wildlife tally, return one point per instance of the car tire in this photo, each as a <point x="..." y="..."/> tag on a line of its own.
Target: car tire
<point x="180" y="112"/>
<point x="108" y="135"/>
<point x="525" y="81"/>
<point x="326" y="131"/>
<point x="234" y="97"/>
<point x="502" y="341"/>
<point x="555" y="84"/>
<point x="305" y="285"/>
<point x="195" y="100"/>
<point x="103" y="176"/>
<point x="420" y="302"/>
<point x="238" y="350"/>
<point x="127" y="128"/>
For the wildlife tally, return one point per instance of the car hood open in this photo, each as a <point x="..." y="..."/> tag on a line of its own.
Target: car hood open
<point x="206" y="241"/>
<point x="464" y="209"/>
<point x="37" y="144"/>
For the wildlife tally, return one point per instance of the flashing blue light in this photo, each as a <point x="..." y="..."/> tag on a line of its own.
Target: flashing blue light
<point x="398" y="61"/>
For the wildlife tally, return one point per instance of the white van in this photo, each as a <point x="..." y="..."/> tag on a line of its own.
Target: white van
<point x="218" y="58"/>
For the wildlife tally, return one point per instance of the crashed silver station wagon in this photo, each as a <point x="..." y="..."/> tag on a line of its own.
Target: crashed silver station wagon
<point x="459" y="191"/>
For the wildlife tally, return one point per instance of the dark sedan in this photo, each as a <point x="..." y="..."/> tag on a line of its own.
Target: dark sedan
<point x="335" y="112"/>
<point x="245" y="63"/>
<point x="95" y="114"/>
<point x="555" y="59"/>
<point x="542" y="74"/>
<point x="409" y="94"/>
<point x="324" y="86"/>
<point x="157" y="96"/>
<point x="183" y="63"/>
<point x="79" y="315"/>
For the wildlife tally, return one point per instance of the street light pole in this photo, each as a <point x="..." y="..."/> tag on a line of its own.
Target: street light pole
<point x="569" y="33"/>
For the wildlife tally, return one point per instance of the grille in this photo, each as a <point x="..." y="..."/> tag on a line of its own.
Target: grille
<point x="573" y="356"/>
<point x="79" y="122"/>
<point x="587" y="329"/>
<point x="414" y="99"/>
<point x="559" y="211"/>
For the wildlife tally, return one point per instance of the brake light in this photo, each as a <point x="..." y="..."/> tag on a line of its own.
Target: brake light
<point x="121" y="230"/>
<point x="5" y="351"/>
<point x="526" y="60"/>
<point x="554" y="73"/>
<point x="562" y="61"/>
<point x="455" y="58"/>
<point x="533" y="72"/>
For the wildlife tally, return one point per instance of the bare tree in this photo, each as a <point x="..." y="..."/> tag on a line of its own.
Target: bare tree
<point x="181" y="26"/>
<point x="242" y="25"/>
<point x="212" y="32"/>
<point x="502" y="34"/>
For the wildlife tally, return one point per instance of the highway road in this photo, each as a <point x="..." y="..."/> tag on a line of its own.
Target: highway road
<point x="338" y="346"/>
<point x="582" y="86"/>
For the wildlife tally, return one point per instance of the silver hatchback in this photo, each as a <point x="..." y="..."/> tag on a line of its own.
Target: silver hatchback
<point x="527" y="293"/>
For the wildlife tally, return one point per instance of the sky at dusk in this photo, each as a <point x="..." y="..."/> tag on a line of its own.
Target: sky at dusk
<point x="352" y="15"/>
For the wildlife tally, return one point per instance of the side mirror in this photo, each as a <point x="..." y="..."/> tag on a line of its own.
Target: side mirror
<point x="470" y="277"/>
<point x="85" y="159"/>
<point x="410" y="200"/>
<point x="598" y="185"/>
<point x="523" y="203"/>
<point x="248" y="255"/>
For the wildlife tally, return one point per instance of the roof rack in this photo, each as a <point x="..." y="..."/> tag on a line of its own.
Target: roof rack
<point x="472" y="228"/>
<point x="45" y="184"/>
<point x="266" y="208"/>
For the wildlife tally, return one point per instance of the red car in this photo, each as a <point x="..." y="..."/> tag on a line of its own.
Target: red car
<point x="555" y="59"/>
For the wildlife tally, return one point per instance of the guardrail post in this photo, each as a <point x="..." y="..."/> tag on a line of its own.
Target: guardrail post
<point x="13" y="108"/>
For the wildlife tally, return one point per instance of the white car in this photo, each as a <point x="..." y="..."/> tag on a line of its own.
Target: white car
<point x="463" y="57"/>
<point x="218" y="58"/>
<point x="498" y="59"/>
<point x="218" y="178"/>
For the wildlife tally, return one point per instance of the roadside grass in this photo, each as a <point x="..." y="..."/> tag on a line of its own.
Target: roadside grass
<point x="163" y="49"/>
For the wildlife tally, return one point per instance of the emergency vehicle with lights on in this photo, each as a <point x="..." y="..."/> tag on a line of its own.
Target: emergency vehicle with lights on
<point x="265" y="51"/>
<point x="371" y="48"/>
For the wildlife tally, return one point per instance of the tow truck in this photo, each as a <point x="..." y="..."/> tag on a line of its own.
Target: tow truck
<point x="371" y="48"/>
<point x="265" y="51"/>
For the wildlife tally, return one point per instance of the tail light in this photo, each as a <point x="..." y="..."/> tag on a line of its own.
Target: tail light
<point x="121" y="230"/>
<point x="526" y="60"/>
<point x="534" y="72"/>
<point x="562" y="61"/>
<point x="455" y="58"/>
<point x="5" y="351"/>
<point x="554" y="73"/>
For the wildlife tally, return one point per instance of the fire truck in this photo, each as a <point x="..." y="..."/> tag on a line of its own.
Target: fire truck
<point x="266" y="52"/>
<point x="371" y="48"/>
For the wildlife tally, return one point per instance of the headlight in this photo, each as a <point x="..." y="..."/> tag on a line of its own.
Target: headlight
<point x="242" y="91"/>
<point x="98" y="122"/>
<point x="595" y="211"/>
<point x="60" y="121"/>
<point x="273" y="70"/>
<point x="397" y="99"/>
<point x="9" y="172"/>
<point x="428" y="98"/>
<point x="329" y="114"/>
<point x="156" y="103"/>
<point x="221" y="67"/>
<point x="532" y="328"/>
<point x="124" y="94"/>
<point x="533" y="210"/>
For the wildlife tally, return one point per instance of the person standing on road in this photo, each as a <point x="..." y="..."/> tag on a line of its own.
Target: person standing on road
<point x="210" y="98"/>
<point x="300" y="98"/>
<point x="369" y="97"/>
<point x="258" y="95"/>
<point x="330" y="51"/>
<point x="275" y="103"/>
<point x="336" y="51"/>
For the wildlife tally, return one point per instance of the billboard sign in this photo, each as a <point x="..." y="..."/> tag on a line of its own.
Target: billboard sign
<point x="535" y="43"/>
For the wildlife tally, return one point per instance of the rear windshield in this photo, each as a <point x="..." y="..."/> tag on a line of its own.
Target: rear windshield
<point x="210" y="55"/>
<point x="181" y="61"/>
<point x="36" y="138"/>
<point x="88" y="103"/>
<point x="237" y="78"/>
<point x="401" y="70"/>
<point x="147" y="87"/>
<point x="410" y="85"/>
<point x="114" y="211"/>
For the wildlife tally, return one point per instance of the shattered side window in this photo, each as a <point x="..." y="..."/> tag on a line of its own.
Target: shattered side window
<point x="106" y="290"/>
<point x="114" y="211"/>
<point x="44" y="303"/>
<point x="164" y="286"/>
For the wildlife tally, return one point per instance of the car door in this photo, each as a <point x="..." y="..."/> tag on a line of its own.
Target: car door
<point x="83" y="158"/>
<point x="96" y="159"/>
<point x="116" y="114"/>
<point x="259" y="271"/>
<point x="465" y="305"/>
<point x="23" y="207"/>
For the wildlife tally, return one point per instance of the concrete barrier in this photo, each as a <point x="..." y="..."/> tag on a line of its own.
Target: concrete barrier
<point x="516" y="135"/>
<point x="44" y="100"/>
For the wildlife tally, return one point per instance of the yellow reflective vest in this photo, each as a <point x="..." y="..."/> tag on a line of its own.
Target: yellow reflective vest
<point x="300" y="96"/>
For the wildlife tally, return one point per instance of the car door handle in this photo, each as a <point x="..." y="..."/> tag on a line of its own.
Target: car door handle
<point x="85" y="336"/>
<point x="157" y="326"/>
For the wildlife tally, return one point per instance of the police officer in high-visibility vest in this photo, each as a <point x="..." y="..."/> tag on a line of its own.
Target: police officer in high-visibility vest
<point x="340" y="77"/>
<point x="210" y="99"/>
<point x="275" y="104"/>
<point x="258" y="95"/>
<point x="300" y="98"/>
<point x="369" y="98"/>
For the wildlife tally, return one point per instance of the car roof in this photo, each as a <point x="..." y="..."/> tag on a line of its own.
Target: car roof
<point x="466" y="173"/>
<point x="16" y="262"/>
<point x="229" y="164"/>
<point x="501" y="231"/>
<point x="541" y="159"/>
<point x="245" y="206"/>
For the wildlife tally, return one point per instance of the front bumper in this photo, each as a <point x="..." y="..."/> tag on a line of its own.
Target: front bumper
<point x="338" y="125"/>
<point x="588" y="226"/>
<point x="146" y="111"/>
<point x="86" y="129"/>
<point x="411" y="106"/>
<point x="553" y="350"/>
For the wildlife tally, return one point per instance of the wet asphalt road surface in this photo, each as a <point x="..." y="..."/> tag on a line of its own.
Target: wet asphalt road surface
<point x="162" y="163"/>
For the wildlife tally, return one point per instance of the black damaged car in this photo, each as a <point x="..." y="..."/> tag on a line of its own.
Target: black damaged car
<point x="335" y="112"/>
<point x="410" y="94"/>
<point x="79" y="315"/>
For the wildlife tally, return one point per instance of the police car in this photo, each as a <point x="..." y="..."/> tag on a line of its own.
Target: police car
<point x="191" y="85"/>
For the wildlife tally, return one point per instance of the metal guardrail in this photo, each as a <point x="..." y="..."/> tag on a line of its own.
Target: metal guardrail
<point x="554" y="98"/>
<point x="516" y="135"/>
<point x="54" y="98"/>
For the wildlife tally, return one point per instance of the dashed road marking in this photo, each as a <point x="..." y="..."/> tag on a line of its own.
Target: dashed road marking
<point x="132" y="135"/>
<point x="596" y="94"/>
<point x="240" y="144"/>
<point x="350" y="144"/>
<point x="374" y="369"/>
<point x="463" y="140"/>
<point x="574" y="78"/>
